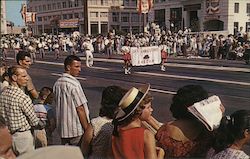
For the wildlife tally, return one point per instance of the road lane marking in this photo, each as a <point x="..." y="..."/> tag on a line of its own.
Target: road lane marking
<point x="194" y="78"/>
<point x="162" y="91"/>
<point x="101" y="68"/>
<point x="59" y="74"/>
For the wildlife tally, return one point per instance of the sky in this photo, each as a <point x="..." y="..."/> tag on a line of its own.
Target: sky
<point x="13" y="11"/>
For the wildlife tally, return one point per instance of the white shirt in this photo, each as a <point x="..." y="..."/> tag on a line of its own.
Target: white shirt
<point x="68" y="96"/>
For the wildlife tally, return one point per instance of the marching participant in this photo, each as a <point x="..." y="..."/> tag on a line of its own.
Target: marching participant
<point x="89" y="49"/>
<point x="164" y="55"/>
<point x="56" y="49"/>
<point x="127" y="58"/>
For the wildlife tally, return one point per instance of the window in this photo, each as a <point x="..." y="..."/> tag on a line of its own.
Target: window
<point x="64" y="16"/>
<point x="248" y="8"/>
<point x="125" y="17"/>
<point x="70" y="16"/>
<point x="115" y="17"/>
<point x="70" y="4"/>
<point x="40" y="8"/>
<point x="76" y="15"/>
<point x="49" y="6"/>
<point x="44" y="18"/>
<point x="76" y="3"/>
<point x="93" y="14"/>
<point x="236" y="27"/>
<point x="36" y="8"/>
<point x="135" y="17"/>
<point x="103" y="14"/>
<point x="44" y="7"/>
<point x="247" y="26"/>
<point x="236" y="7"/>
<point x="64" y="4"/>
<point x="54" y="6"/>
<point x="59" y="5"/>
<point x="39" y="19"/>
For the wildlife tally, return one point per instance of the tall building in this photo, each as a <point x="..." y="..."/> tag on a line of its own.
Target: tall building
<point x="122" y="16"/>
<point x="68" y="15"/>
<point x="3" y="18"/>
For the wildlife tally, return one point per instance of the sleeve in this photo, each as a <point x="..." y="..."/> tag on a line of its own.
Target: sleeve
<point x="29" y="112"/>
<point x="30" y="85"/>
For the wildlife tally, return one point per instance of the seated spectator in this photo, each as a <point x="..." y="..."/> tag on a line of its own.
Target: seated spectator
<point x="6" y="151"/>
<point x="130" y="139"/>
<point x="3" y="76"/>
<point x="97" y="138"/>
<point x="231" y="136"/>
<point x="186" y="136"/>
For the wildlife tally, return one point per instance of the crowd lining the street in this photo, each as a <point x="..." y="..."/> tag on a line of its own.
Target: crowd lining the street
<point x="125" y="127"/>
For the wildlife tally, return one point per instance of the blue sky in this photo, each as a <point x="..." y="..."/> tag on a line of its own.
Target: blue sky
<point x="13" y="11"/>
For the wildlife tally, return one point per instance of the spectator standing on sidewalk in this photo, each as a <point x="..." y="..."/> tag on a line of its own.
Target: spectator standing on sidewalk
<point x="72" y="111"/>
<point x="23" y="59"/>
<point x="89" y="49"/>
<point x="17" y="109"/>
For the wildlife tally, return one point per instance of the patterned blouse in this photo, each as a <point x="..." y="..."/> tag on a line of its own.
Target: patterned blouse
<point x="230" y="153"/>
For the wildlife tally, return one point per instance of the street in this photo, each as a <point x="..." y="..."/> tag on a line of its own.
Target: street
<point x="227" y="79"/>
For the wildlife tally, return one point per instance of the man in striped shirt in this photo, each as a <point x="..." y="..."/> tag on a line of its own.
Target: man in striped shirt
<point x="72" y="111"/>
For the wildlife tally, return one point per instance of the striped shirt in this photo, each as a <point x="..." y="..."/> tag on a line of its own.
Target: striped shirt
<point x="17" y="109"/>
<point x="68" y="96"/>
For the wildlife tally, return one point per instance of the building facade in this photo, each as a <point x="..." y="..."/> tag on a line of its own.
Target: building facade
<point x="122" y="16"/>
<point x="3" y="18"/>
<point x="203" y="15"/>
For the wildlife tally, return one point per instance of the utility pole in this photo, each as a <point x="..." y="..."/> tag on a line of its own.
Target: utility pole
<point x="85" y="17"/>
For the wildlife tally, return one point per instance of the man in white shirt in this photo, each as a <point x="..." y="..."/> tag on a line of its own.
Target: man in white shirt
<point x="72" y="113"/>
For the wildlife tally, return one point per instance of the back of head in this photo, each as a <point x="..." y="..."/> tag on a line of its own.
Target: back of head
<point x="185" y="97"/>
<point x="13" y="70"/>
<point x="44" y="92"/>
<point x="231" y="129"/>
<point x="21" y="56"/>
<point x="69" y="59"/>
<point x="111" y="97"/>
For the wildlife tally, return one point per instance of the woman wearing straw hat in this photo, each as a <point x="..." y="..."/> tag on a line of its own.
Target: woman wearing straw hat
<point x="130" y="139"/>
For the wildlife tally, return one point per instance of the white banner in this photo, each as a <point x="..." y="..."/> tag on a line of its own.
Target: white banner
<point x="142" y="56"/>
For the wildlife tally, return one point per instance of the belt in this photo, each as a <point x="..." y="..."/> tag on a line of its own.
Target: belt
<point x="19" y="131"/>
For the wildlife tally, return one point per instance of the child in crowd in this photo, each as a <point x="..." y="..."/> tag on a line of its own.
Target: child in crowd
<point x="232" y="135"/>
<point x="130" y="139"/>
<point x="45" y="113"/>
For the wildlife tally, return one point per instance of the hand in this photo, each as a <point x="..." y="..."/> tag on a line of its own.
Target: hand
<point x="160" y="152"/>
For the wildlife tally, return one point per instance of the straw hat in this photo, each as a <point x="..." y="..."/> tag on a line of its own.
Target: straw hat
<point x="130" y="101"/>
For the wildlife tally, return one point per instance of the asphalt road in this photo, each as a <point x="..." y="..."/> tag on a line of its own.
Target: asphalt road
<point x="230" y="80"/>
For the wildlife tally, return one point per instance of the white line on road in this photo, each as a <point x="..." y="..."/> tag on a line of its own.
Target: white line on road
<point x="194" y="78"/>
<point x="162" y="91"/>
<point x="58" y="74"/>
<point x="101" y="68"/>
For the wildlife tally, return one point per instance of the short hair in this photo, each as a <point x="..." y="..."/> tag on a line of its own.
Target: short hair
<point x="13" y="70"/>
<point x="69" y="59"/>
<point x="45" y="91"/>
<point x="2" y="122"/>
<point x="21" y="56"/>
<point x="111" y="97"/>
<point x="185" y="97"/>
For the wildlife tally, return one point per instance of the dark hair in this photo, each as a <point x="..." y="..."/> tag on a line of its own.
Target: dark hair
<point x="21" y="56"/>
<point x="69" y="59"/>
<point x="2" y="122"/>
<point x="185" y="97"/>
<point x="45" y="91"/>
<point x="111" y="97"/>
<point x="231" y="128"/>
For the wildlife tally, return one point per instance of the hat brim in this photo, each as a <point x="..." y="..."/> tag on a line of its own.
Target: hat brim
<point x="121" y="115"/>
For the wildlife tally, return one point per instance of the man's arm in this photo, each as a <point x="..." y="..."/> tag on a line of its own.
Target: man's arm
<point x="82" y="117"/>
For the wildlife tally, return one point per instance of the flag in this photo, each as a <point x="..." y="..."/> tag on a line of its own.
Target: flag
<point x="143" y="6"/>
<point x="23" y="11"/>
<point x="30" y="17"/>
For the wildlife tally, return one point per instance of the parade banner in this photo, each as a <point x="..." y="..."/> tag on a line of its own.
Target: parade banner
<point x="69" y="23"/>
<point x="23" y="11"/>
<point x="30" y="17"/>
<point x="142" y="56"/>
